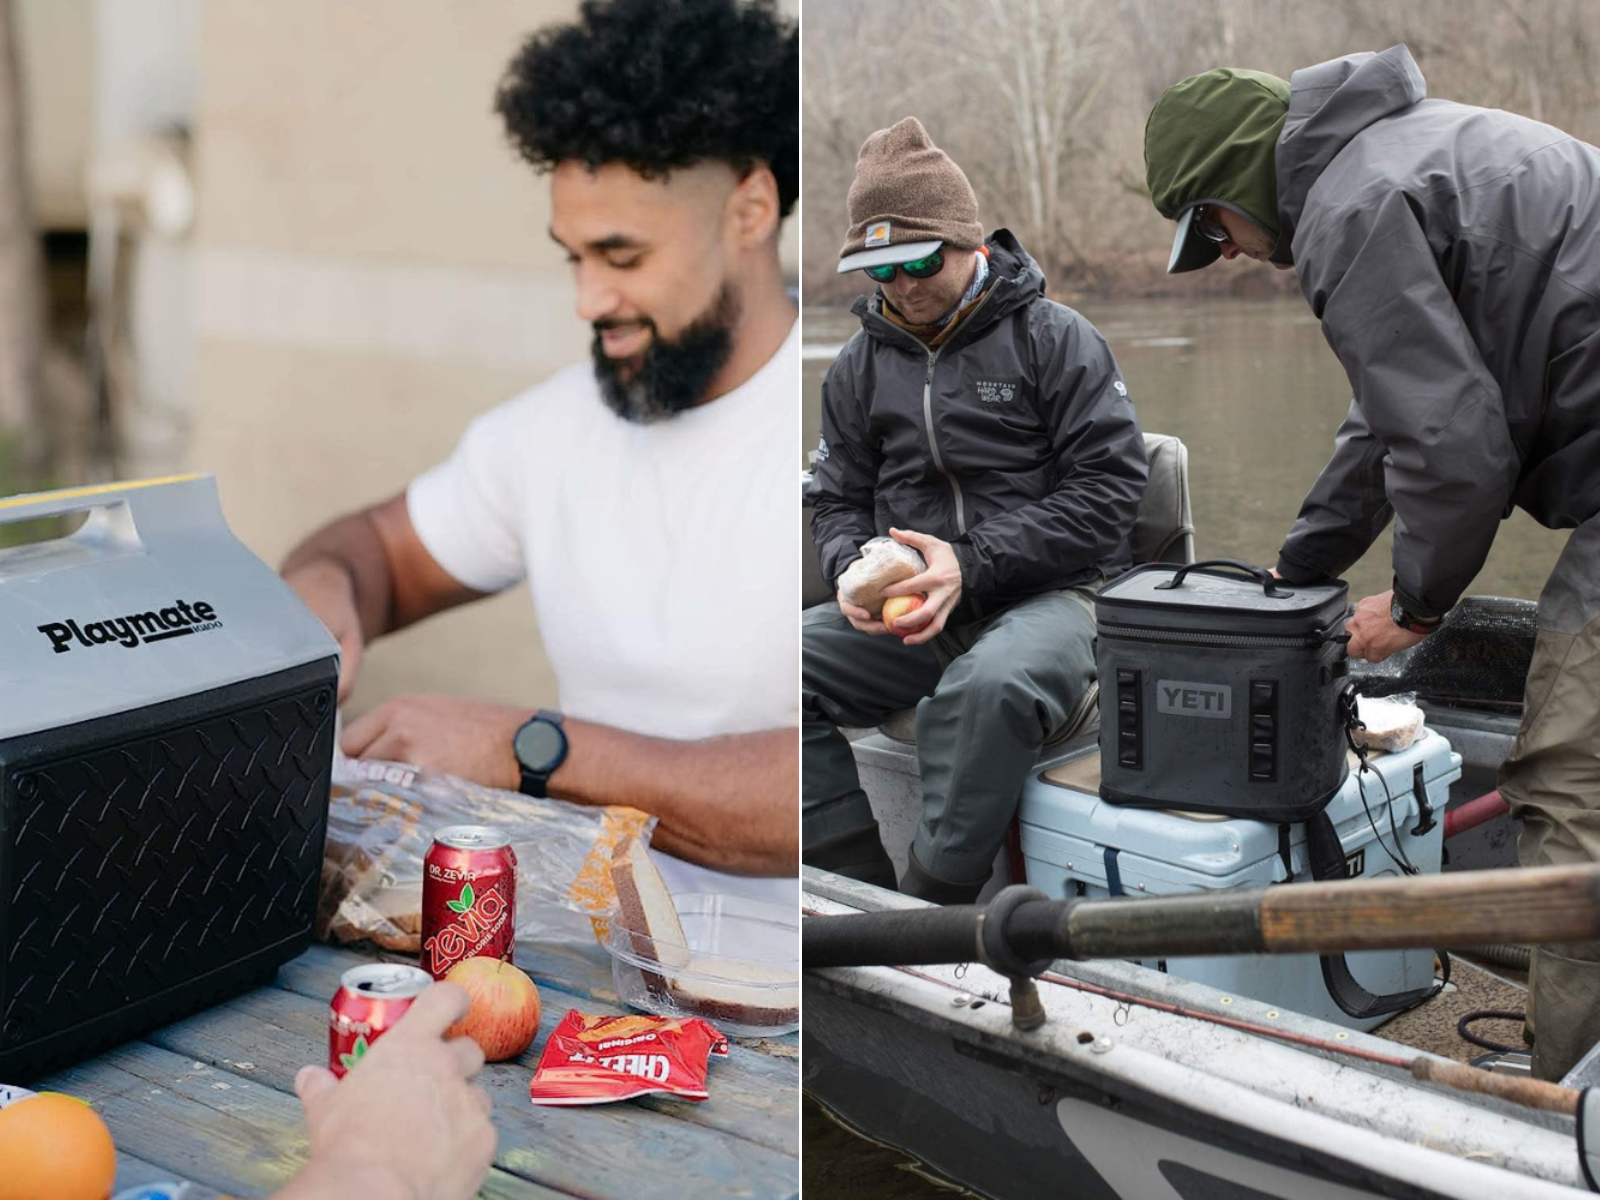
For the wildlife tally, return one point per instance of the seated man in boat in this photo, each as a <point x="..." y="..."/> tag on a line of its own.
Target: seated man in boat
<point x="639" y="495"/>
<point x="1452" y="255"/>
<point x="989" y="428"/>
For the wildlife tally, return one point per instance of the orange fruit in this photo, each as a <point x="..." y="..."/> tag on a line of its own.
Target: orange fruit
<point x="57" y="1146"/>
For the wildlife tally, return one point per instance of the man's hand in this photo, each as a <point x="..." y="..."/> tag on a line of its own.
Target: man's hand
<point x="328" y="591"/>
<point x="859" y="617"/>
<point x="1373" y="634"/>
<point x="468" y="738"/>
<point x="404" y="1124"/>
<point x="941" y="582"/>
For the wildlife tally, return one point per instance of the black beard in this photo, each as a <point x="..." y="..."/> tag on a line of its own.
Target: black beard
<point x="670" y="376"/>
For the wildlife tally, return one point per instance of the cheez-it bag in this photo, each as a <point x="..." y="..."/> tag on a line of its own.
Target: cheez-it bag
<point x="595" y="1060"/>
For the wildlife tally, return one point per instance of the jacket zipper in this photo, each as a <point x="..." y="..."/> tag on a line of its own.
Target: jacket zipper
<point x="933" y="442"/>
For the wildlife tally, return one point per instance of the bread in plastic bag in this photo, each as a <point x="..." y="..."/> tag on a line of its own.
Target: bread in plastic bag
<point x="884" y="562"/>
<point x="1393" y="722"/>
<point x="381" y="820"/>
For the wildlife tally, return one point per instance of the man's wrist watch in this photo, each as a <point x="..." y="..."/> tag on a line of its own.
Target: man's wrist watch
<point x="540" y="746"/>
<point x="1408" y="620"/>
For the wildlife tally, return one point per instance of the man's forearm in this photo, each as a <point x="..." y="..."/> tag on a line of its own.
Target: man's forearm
<point x="725" y="802"/>
<point x="353" y="545"/>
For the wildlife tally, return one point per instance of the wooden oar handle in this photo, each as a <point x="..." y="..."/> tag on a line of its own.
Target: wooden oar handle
<point x="1529" y="905"/>
<point x="1466" y="908"/>
<point x="1534" y="1093"/>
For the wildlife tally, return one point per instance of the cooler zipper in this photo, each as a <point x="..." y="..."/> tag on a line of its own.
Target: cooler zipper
<point x="1133" y="633"/>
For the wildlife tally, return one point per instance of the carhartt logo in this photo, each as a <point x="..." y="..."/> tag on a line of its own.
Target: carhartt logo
<point x="878" y="234"/>
<point x="996" y="391"/>
<point x="1194" y="699"/>
<point x="135" y="629"/>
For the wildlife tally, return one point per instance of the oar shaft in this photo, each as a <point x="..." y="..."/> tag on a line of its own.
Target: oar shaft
<point x="1532" y="906"/>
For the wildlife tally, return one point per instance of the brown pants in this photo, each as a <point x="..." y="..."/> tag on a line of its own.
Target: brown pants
<point x="1552" y="780"/>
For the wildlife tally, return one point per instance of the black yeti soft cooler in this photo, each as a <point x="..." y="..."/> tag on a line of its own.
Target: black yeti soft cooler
<point x="1219" y="691"/>
<point x="166" y="737"/>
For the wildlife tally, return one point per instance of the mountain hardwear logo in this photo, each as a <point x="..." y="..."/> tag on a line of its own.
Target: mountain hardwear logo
<point x="135" y="629"/>
<point x="994" y="391"/>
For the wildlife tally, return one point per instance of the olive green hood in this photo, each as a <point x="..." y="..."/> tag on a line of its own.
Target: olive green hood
<point x="1211" y="139"/>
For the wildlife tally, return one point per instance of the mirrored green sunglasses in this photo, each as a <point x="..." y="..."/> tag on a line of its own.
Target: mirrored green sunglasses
<point x="920" y="268"/>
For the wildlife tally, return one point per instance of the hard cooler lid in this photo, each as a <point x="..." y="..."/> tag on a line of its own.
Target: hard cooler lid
<point x="1217" y="586"/>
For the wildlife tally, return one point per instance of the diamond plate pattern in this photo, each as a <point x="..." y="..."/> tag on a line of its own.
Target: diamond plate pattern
<point x="154" y="854"/>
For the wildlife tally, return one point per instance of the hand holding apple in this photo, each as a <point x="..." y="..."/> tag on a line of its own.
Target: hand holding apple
<point x="896" y="607"/>
<point x="504" y="1017"/>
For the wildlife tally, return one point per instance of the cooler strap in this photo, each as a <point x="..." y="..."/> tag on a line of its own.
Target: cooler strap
<point x="1113" y="876"/>
<point x="1327" y="862"/>
<point x="1285" y="854"/>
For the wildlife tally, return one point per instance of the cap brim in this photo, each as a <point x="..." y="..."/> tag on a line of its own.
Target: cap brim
<point x="883" y="256"/>
<point x="1190" y="251"/>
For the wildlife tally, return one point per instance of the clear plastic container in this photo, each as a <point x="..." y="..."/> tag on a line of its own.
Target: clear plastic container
<point x="742" y="971"/>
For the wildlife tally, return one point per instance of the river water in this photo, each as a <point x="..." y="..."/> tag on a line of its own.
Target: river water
<point x="1255" y="393"/>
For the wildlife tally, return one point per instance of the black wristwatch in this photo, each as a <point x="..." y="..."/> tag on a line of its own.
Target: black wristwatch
<point x="1409" y="621"/>
<point x="540" y="746"/>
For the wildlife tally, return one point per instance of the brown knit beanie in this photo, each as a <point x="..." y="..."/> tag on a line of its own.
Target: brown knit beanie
<point x="908" y="191"/>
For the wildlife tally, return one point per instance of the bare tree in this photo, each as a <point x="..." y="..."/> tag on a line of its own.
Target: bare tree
<point x="21" y="273"/>
<point x="1043" y="102"/>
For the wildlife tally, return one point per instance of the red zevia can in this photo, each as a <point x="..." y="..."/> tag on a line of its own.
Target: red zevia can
<point x="370" y="999"/>
<point x="469" y="897"/>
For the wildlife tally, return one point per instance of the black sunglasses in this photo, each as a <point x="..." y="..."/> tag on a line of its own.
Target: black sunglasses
<point x="920" y="268"/>
<point x="1209" y="230"/>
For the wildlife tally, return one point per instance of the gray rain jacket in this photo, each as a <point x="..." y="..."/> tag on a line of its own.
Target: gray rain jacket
<point x="1453" y="256"/>
<point x="1015" y="441"/>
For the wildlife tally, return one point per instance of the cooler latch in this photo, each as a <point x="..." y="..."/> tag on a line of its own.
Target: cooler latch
<point x="1130" y="701"/>
<point x="1419" y="789"/>
<point x="1263" y="730"/>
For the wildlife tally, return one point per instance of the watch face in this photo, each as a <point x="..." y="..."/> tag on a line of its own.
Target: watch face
<point x="538" y="745"/>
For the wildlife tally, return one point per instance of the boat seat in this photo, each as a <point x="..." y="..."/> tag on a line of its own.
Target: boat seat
<point x="1163" y="531"/>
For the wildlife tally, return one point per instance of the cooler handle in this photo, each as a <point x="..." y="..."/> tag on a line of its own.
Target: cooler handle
<point x="1260" y="574"/>
<point x="118" y="511"/>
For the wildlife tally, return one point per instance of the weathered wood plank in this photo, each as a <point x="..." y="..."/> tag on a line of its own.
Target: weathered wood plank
<point x="245" y="1138"/>
<point x="134" y="1172"/>
<point x="625" y="1150"/>
<point x="276" y="1025"/>
<point x="757" y="1085"/>
<point x="316" y="973"/>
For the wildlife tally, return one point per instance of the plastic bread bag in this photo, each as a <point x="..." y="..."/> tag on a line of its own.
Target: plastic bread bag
<point x="883" y="563"/>
<point x="381" y="819"/>
<point x="1393" y="722"/>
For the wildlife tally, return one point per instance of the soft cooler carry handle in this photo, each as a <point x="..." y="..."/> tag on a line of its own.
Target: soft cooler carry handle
<point x="1260" y="574"/>
<point x="1327" y="862"/>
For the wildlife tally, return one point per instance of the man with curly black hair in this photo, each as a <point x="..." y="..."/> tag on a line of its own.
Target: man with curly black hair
<point x="639" y="494"/>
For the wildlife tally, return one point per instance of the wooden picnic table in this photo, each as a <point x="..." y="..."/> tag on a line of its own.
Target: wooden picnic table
<point x="211" y="1100"/>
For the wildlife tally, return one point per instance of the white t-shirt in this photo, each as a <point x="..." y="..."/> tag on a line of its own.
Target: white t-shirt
<point x="662" y="558"/>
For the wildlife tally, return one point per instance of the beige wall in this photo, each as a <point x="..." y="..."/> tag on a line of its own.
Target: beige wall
<point x="372" y="269"/>
<point x="365" y="242"/>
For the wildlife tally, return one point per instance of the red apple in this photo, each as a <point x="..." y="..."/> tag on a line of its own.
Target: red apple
<point x="504" y="1016"/>
<point x="896" y="607"/>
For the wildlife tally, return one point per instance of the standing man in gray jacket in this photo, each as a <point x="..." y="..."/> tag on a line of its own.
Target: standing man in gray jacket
<point x="1452" y="255"/>
<point x="989" y="428"/>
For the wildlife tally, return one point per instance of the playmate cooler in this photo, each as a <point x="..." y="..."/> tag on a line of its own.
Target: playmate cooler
<point x="166" y="736"/>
